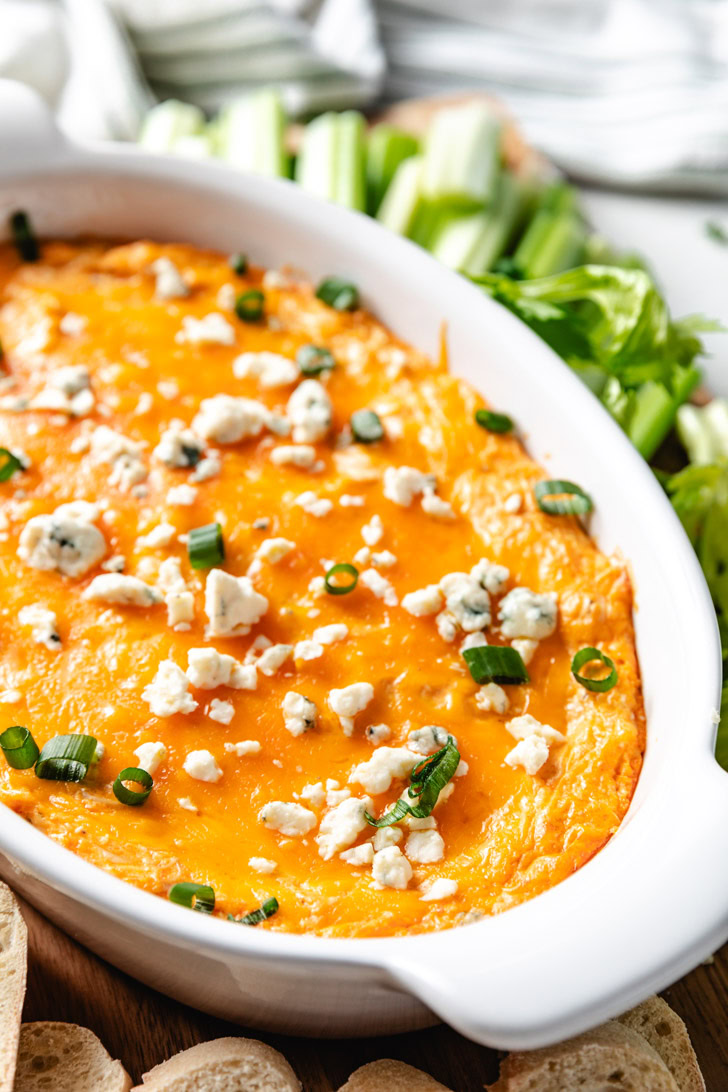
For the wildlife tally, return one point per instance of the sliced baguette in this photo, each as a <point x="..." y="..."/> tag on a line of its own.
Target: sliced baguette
<point x="66" y="1058"/>
<point x="13" y="969"/>
<point x="386" y="1075"/>
<point x="666" y="1033"/>
<point x="223" y="1065"/>
<point x="612" y="1057"/>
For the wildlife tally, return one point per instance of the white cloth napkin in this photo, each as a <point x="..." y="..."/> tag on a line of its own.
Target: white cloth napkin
<point x="627" y="92"/>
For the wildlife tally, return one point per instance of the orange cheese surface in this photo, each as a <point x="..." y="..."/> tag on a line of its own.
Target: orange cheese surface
<point x="504" y="834"/>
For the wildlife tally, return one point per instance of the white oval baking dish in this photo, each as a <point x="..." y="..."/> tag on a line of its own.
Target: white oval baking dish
<point x="654" y="901"/>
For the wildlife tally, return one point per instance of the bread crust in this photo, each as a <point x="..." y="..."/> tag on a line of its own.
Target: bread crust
<point x="228" y="1056"/>
<point x="666" y="1033"/>
<point x="388" y="1075"/>
<point x="611" y="1056"/>
<point x="13" y="973"/>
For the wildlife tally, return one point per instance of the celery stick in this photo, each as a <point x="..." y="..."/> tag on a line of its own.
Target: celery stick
<point x="250" y="134"/>
<point x="429" y="221"/>
<point x="350" y="162"/>
<point x="403" y="198"/>
<point x="703" y="431"/>
<point x="387" y="147"/>
<point x="551" y="243"/>
<point x="331" y="161"/>
<point x="317" y="156"/>
<point x="656" y="409"/>
<point x="168" y="123"/>
<point x="462" y="156"/>
<point x="200" y="146"/>
<point x="473" y="243"/>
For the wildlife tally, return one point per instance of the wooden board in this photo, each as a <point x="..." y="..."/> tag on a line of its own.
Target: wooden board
<point x="141" y="1027"/>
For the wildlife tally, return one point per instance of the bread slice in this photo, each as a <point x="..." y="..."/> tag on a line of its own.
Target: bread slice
<point x="66" y="1058"/>
<point x="612" y="1057"/>
<point x="223" y="1065"/>
<point x="13" y="967"/>
<point x="386" y="1075"/>
<point x="666" y="1033"/>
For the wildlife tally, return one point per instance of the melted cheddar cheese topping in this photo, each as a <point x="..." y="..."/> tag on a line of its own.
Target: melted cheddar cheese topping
<point x="271" y="713"/>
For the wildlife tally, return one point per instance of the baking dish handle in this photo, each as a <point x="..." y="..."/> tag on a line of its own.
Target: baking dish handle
<point x="29" y="136"/>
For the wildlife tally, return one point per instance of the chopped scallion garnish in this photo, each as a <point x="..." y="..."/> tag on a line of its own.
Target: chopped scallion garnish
<point x="560" y="498"/>
<point x="19" y="747"/>
<point x="238" y="263"/>
<point x="24" y="238"/>
<point x="314" y="359"/>
<point x="495" y="663"/>
<point x="267" y="910"/>
<point x="66" y="758"/>
<point x="592" y="655"/>
<point x="427" y="781"/>
<point x="249" y="305"/>
<point x="205" y="546"/>
<point x="196" y="896"/>
<point x="9" y="464"/>
<point x="493" y="422"/>
<point x="130" y="796"/>
<point x="337" y="293"/>
<point x="341" y="589"/>
<point x="366" y="426"/>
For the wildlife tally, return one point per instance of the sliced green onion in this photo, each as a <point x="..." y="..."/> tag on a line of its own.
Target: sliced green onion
<point x="430" y="777"/>
<point x="493" y="422"/>
<point x="341" y="589"/>
<point x="366" y="426"/>
<point x="130" y="796"/>
<point x="550" y="499"/>
<point x="66" y="758"/>
<point x="249" y="305"/>
<point x="197" y="896"/>
<point x="590" y="655"/>
<point x="495" y="663"/>
<point x="337" y="293"/>
<point x="399" y="811"/>
<point x="427" y="781"/>
<point x="19" y="747"/>
<point x="314" y="359"/>
<point x="238" y="263"/>
<point x="24" y="238"/>
<point x="9" y="463"/>
<point x="205" y="547"/>
<point x="267" y="910"/>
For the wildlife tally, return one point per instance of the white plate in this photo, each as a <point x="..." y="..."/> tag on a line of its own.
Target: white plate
<point x="654" y="901"/>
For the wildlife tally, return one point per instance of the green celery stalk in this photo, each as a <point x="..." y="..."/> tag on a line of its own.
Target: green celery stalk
<point x="387" y="147"/>
<point x="168" y="123"/>
<point x="473" y="242"/>
<point x="331" y="162"/>
<point x="552" y="243"/>
<point x="251" y="134"/>
<point x="655" y="409"/>
<point x="462" y="156"/>
<point x="403" y="199"/>
<point x="703" y="431"/>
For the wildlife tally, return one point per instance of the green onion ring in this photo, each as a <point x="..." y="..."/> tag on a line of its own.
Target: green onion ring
<point x="24" y="238"/>
<point x="238" y="263"/>
<point x="493" y="422"/>
<point x="9" y="463"/>
<point x="427" y="781"/>
<point x="588" y="655"/>
<point x="496" y="663"/>
<point x="314" y="359"/>
<point x="249" y="305"/>
<point x="66" y="758"/>
<point x="196" y="896"/>
<point x="19" y="747"/>
<point x="366" y="426"/>
<point x="205" y="546"/>
<point x="129" y="796"/>
<point x="338" y="293"/>
<point x="576" y="503"/>
<point x="267" y="910"/>
<point x="341" y="589"/>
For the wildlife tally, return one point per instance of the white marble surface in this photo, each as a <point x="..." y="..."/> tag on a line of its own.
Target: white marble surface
<point x="691" y="268"/>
